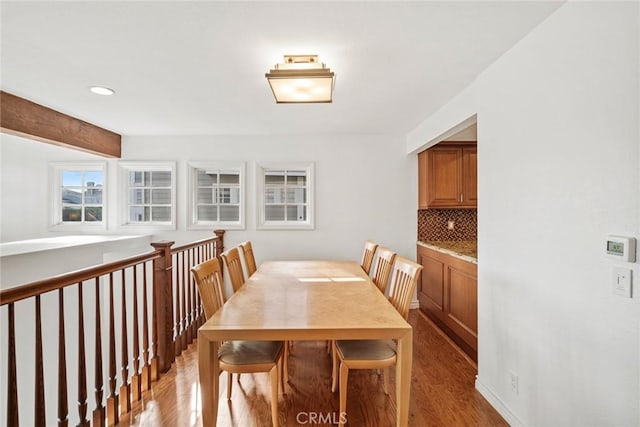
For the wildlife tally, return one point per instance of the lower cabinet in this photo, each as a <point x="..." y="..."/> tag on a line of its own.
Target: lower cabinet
<point x="448" y="295"/>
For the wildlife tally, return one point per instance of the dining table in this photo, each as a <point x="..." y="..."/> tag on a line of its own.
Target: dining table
<point x="304" y="300"/>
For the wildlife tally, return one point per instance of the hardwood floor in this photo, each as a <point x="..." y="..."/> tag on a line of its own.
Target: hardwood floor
<point x="442" y="391"/>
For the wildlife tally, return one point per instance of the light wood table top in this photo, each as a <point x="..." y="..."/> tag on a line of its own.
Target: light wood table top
<point x="304" y="300"/>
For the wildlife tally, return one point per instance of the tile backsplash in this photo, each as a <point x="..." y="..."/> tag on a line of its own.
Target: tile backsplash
<point x="432" y="224"/>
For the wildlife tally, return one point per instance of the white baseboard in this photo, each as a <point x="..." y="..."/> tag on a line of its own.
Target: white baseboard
<point x="414" y="304"/>
<point x="499" y="405"/>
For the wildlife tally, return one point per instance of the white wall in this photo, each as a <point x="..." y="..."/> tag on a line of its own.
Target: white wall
<point x="558" y="151"/>
<point x="24" y="212"/>
<point x="365" y="188"/>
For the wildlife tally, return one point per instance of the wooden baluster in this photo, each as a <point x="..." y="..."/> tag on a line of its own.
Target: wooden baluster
<point x="189" y="318"/>
<point x="146" y="375"/>
<point x="63" y="406"/>
<point x="135" y="376"/>
<point x="185" y="316"/>
<point x="178" y="342"/>
<point x="125" y="388"/>
<point x="99" y="412"/>
<point x="39" y="408"/>
<point x="12" y="379"/>
<point x="82" y="366"/>
<point x="194" y="304"/>
<point x="112" y="400"/>
<point x="154" y="334"/>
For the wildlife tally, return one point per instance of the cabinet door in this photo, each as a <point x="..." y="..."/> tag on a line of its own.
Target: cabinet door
<point x="432" y="283"/>
<point x="470" y="176"/>
<point x="422" y="180"/>
<point x="444" y="176"/>
<point x="462" y="300"/>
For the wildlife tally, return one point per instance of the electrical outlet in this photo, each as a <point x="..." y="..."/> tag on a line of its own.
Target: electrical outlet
<point x="451" y="225"/>
<point x="514" y="382"/>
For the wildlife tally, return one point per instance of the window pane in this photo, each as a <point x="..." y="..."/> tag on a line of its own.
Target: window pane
<point x="205" y="195"/>
<point x="296" y="195"/>
<point x="72" y="196"/>
<point x="161" y="213"/>
<point x="274" y="213"/>
<point x="71" y="178"/>
<point x="207" y="213"/>
<point x="296" y="178"/>
<point x="161" y="197"/>
<point x="229" y="195"/>
<point x="71" y="214"/>
<point x="207" y="178"/>
<point x="139" y="213"/>
<point x="93" y="178"/>
<point x="274" y="177"/>
<point x="229" y="213"/>
<point x="93" y="196"/>
<point x="139" y="196"/>
<point x="274" y="195"/>
<point x="161" y="179"/>
<point x="93" y="213"/>
<point x="297" y="213"/>
<point x="229" y="178"/>
<point x="136" y="179"/>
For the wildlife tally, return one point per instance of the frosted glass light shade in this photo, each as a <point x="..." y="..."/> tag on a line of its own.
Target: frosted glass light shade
<point x="301" y="79"/>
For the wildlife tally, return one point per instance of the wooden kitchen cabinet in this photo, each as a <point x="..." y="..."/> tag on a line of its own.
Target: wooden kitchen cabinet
<point x="448" y="295"/>
<point x="447" y="176"/>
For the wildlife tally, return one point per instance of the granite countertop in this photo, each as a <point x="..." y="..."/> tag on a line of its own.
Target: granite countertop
<point x="466" y="250"/>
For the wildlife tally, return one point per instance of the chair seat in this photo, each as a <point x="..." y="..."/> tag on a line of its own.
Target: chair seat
<point x="249" y="352"/>
<point x="366" y="349"/>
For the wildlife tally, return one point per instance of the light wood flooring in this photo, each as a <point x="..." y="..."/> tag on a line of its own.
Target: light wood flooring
<point x="442" y="391"/>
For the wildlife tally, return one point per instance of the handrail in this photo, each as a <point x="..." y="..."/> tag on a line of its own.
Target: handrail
<point x="11" y="295"/>
<point x="219" y="234"/>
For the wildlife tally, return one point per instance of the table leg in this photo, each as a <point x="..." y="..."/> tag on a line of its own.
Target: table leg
<point x="403" y="378"/>
<point x="208" y="372"/>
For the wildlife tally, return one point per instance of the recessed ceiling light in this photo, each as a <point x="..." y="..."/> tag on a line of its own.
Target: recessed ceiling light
<point x="101" y="90"/>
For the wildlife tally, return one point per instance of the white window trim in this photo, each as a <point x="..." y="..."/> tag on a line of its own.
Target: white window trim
<point x="55" y="203"/>
<point x="192" y="222"/>
<point x="124" y="168"/>
<point x="262" y="224"/>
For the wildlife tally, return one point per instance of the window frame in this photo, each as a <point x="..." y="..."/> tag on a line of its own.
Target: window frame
<point x="55" y="204"/>
<point x="262" y="223"/>
<point x="192" y="221"/>
<point x="124" y="168"/>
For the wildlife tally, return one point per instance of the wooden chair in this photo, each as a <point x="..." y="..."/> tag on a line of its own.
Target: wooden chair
<point x="238" y="357"/>
<point x="383" y="268"/>
<point x="368" y="254"/>
<point x="234" y="268"/>
<point x="376" y="354"/>
<point x="249" y="259"/>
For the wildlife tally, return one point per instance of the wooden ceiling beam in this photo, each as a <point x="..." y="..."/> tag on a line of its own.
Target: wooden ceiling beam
<point x="21" y="117"/>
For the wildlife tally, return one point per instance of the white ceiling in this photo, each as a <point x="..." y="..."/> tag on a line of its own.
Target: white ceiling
<point x="198" y="67"/>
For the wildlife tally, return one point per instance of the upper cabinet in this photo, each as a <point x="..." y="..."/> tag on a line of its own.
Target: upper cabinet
<point x="448" y="176"/>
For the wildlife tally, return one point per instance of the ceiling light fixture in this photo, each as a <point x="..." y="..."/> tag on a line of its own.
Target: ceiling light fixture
<point x="101" y="90"/>
<point x="301" y="79"/>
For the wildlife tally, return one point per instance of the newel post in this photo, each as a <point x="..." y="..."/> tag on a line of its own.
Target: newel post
<point x="219" y="247"/>
<point x="163" y="296"/>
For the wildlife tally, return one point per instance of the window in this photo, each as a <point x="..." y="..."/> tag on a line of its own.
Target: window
<point x="216" y="195"/>
<point x="148" y="194"/>
<point x="78" y="194"/>
<point x="285" y="196"/>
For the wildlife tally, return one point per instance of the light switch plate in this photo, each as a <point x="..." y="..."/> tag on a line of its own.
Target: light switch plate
<point x="621" y="281"/>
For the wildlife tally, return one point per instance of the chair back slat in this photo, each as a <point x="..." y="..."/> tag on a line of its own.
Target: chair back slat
<point x="234" y="267"/>
<point x="249" y="258"/>
<point x="209" y="281"/>
<point x="367" y="255"/>
<point x="404" y="281"/>
<point x="383" y="269"/>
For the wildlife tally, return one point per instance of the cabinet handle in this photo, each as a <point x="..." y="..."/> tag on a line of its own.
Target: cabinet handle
<point x="461" y="198"/>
